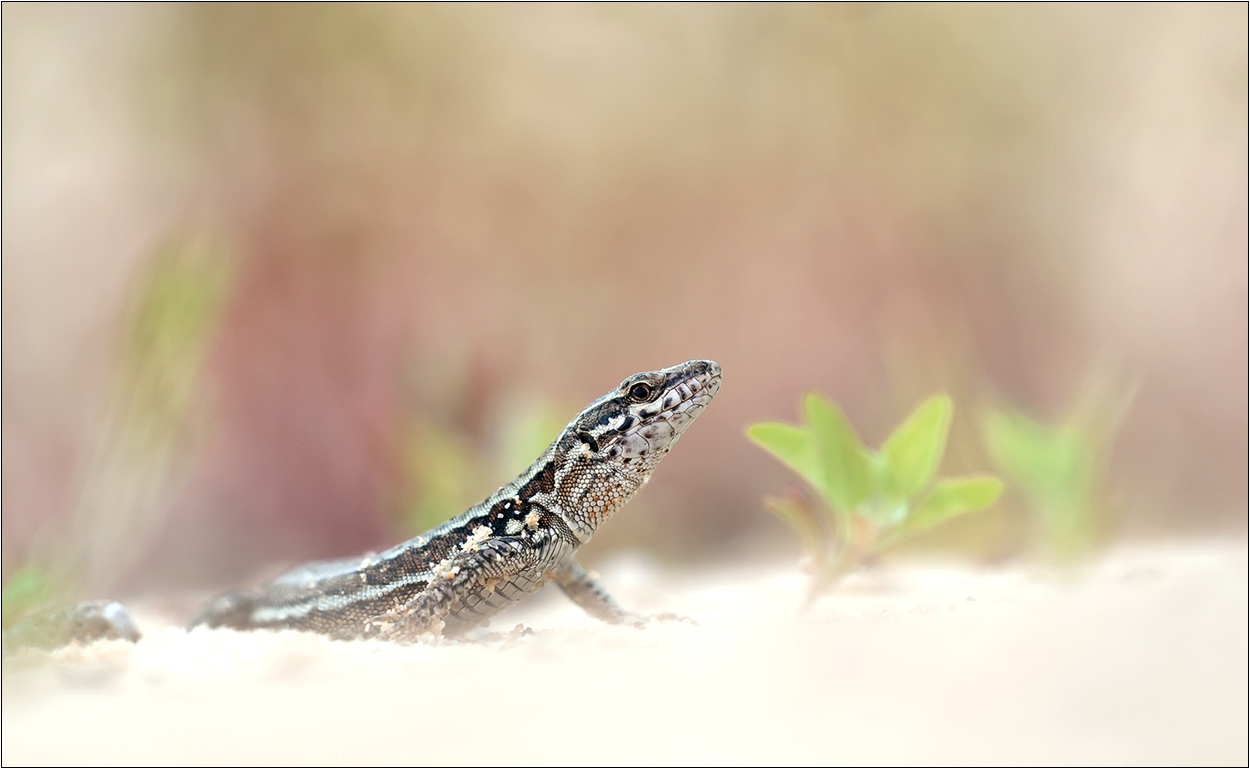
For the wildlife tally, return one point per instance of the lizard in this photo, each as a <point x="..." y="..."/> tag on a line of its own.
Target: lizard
<point x="459" y="574"/>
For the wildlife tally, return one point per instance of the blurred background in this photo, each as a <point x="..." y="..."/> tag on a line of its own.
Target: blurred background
<point x="287" y="282"/>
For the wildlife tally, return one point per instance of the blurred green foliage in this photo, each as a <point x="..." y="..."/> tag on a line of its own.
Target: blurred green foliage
<point x="174" y="312"/>
<point x="872" y="499"/>
<point x="445" y="473"/>
<point x="161" y="342"/>
<point x="28" y="589"/>
<point x="1059" y="467"/>
<point x="167" y="327"/>
<point x="527" y="433"/>
<point x="441" y="472"/>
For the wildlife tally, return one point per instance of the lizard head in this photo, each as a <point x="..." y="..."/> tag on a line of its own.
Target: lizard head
<point x="613" y="445"/>
<point x="636" y="424"/>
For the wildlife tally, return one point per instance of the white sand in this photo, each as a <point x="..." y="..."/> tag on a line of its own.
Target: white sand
<point x="1140" y="660"/>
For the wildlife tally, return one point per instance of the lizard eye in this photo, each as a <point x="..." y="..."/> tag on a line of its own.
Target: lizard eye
<point x="641" y="392"/>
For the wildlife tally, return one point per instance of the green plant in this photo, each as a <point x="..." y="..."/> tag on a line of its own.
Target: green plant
<point x="871" y="499"/>
<point x="1058" y="468"/>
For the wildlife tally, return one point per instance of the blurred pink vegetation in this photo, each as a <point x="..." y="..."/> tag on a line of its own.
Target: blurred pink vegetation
<point x="427" y="217"/>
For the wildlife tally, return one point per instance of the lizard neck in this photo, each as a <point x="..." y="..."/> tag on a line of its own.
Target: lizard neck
<point x="570" y="482"/>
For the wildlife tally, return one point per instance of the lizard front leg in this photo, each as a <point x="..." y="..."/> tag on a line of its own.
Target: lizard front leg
<point x="472" y="578"/>
<point x="588" y="593"/>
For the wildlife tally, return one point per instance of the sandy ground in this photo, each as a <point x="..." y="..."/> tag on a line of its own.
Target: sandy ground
<point x="1141" y="659"/>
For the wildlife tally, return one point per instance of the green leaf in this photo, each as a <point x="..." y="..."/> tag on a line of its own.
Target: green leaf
<point x="847" y="477"/>
<point x="955" y="496"/>
<point x="793" y="445"/>
<point x="912" y="453"/>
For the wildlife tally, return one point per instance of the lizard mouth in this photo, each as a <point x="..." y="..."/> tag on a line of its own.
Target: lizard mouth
<point x="687" y="398"/>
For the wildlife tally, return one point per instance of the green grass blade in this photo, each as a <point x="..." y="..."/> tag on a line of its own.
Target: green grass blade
<point x="912" y="453"/>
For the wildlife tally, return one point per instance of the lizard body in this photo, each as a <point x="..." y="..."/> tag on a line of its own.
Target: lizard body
<point x="516" y="541"/>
